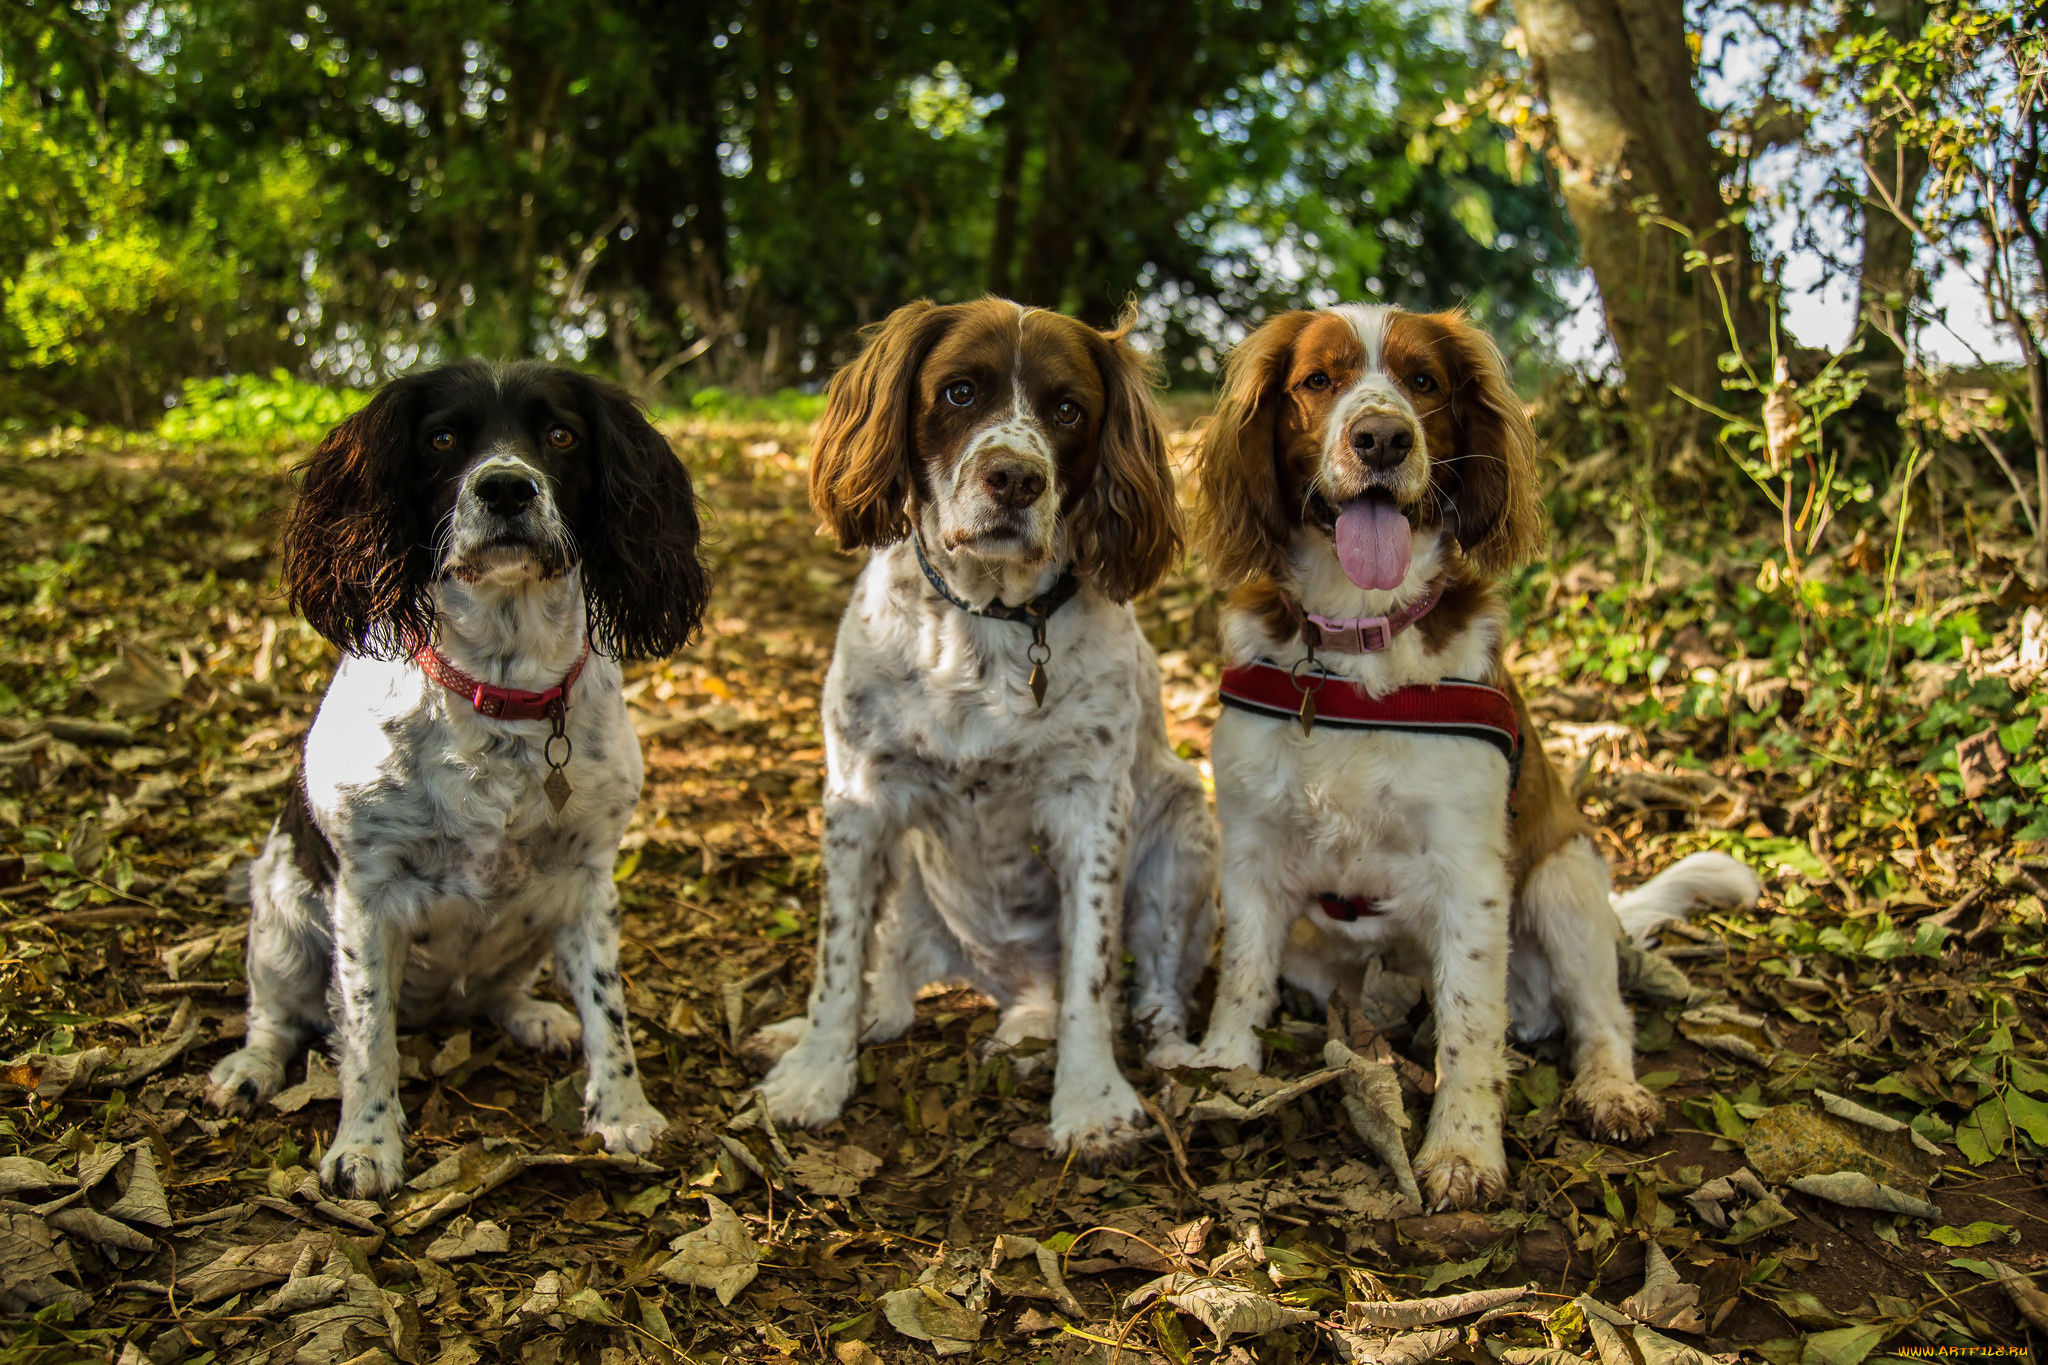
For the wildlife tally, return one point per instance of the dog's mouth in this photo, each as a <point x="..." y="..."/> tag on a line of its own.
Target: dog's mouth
<point x="1006" y="534"/>
<point x="506" y="558"/>
<point x="1372" y="535"/>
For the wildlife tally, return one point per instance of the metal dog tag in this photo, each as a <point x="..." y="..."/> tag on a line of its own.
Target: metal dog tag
<point x="557" y="787"/>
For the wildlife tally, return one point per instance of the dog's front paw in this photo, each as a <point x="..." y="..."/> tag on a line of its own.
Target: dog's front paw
<point x="808" y="1087"/>
<point x="539" y="1025"/>
<point x="364" y="1166"/>
<point x="769" y="1044"/>
<point x="1230" y="1052"/>
<point x="242" y="1080"/>
<point x="633" y="1126"/>
<point x="1168" y="1053"/>
<point x="1103" y="1122"/>
<point x="1461" y="1173"/>
<point x="1613" y="1108"/>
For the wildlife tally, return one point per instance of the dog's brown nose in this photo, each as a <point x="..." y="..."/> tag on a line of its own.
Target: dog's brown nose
<point x="1013" y="484"/>
<point x="1381" y="441"/>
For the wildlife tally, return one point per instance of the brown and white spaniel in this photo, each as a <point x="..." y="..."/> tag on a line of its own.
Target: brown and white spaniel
<point x="1002" y="805"/>
<point x="1368" y="477"/>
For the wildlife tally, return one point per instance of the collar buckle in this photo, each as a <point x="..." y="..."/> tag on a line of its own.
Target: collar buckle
<point x="1357" y="635"/>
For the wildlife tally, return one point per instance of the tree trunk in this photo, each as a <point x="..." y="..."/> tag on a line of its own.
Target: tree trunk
<point x="1887" y="281"/>
<point x="1627" y="125"/>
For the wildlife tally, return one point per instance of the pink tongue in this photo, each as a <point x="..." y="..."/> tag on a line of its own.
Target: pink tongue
<point x="1372" y="543"/>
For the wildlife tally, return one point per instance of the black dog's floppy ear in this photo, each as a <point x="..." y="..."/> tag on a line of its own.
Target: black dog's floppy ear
<point x="358" y="562"/>
<point x="645" y="587"/>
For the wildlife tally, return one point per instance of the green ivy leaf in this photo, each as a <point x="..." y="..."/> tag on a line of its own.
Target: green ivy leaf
<point x="2028" y="1114"/>
<point x="1971" y="1142"/>
<point x="1975" y="1235"/>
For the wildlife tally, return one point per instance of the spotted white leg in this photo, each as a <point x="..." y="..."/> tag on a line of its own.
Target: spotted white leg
<point x="1565" y="908"/>
<point x="1170" y="918"/>
<point x="367" y="1159"/>
<point x="811" y="1083"/>
<point x="1095" y="1111"/>
<point x="587" y="958"/>
<point x="288" y="962"/>
<point x="1255" y="926"/>
<point x="1461" y="1161"/>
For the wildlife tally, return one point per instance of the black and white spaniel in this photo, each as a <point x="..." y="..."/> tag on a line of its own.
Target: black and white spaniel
<point x="484" y="543"/>
<point x="1002" y="805"/>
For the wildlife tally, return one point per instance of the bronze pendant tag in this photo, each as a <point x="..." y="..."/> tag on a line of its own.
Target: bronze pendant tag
<point x="1040" y="654"/>
<point x="557" y="787"/>
<point x="1308" y="712"/>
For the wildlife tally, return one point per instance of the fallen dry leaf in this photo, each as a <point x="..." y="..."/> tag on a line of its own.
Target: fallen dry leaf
<point x="320" y="1084"/>
<point x="1664" y="1300"/>
<point x="466" y="1237"/>
<point x="719" y="1256"/>
<point x="834" y="1172"/>
<point x="31" y="1262"/>
<point x="923" y="1313"/>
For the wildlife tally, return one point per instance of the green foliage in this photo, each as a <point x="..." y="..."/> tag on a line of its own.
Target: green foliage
<point x="276" y="408"/>
<point x="124" y="263"/>
<point x="784" y="405"/>
<point x="721" y="196"/>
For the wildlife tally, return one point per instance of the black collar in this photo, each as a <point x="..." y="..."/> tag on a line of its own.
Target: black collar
<point x="1033" y="612"/>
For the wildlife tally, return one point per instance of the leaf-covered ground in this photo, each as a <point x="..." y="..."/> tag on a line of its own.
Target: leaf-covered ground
<point x="1877" y="1022"/>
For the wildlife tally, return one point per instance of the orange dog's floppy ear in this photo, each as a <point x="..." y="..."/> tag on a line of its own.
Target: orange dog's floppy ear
<point x="1127" y="527"/>
<point x="1492" y="507"/>
<point x="1239" y="519"/>
<point x="860" y="464"/>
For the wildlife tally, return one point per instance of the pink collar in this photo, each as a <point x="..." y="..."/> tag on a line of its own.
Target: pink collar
<point x="501" y="703"/>
<point x="1366" y="634"/>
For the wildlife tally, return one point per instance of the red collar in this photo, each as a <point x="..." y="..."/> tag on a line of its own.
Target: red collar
<point x="501" y="703"/>
<point x="1364" y="634"/>
<point x="1453" y="707"/>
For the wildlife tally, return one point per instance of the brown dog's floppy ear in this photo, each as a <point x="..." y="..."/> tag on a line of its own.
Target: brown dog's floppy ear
<point x="860" y="462"/>
<point x="1489" y="483"/>
<point x="358" y="562"/>
<point x="644" y="586"/>
<point x="1126" y="528"/>
<point x="1242" y="526"/>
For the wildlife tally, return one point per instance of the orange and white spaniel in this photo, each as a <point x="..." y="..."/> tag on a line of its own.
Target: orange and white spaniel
<point x="1369" y="474"/>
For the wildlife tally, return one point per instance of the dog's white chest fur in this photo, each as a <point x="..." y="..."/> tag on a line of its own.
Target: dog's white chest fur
<point x="1372" y="815"/>
<point x="414" y="788"/>
<point x="973" y="835"/>
<point x="939" y="708"/>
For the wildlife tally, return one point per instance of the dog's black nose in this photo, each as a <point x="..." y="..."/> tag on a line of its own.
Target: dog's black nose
<point x="1014" y="484"/>
<point x="1382" y="442"/>
<point x="505" y="493"/>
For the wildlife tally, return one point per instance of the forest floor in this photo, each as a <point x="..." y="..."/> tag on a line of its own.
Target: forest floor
<point x="152" y="690"/>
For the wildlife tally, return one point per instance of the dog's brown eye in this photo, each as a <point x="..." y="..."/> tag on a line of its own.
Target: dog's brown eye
<point x="443" y="441"/>
<point x="561" y="438"/>
<point x="1068" y="413"/>
<point x="1317" y="381"/>
<point x="1422" y="383"/>
<point x="961" y="394"/>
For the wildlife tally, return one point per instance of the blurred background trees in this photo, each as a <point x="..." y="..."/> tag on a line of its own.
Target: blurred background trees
<point x="722" y="193"/>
